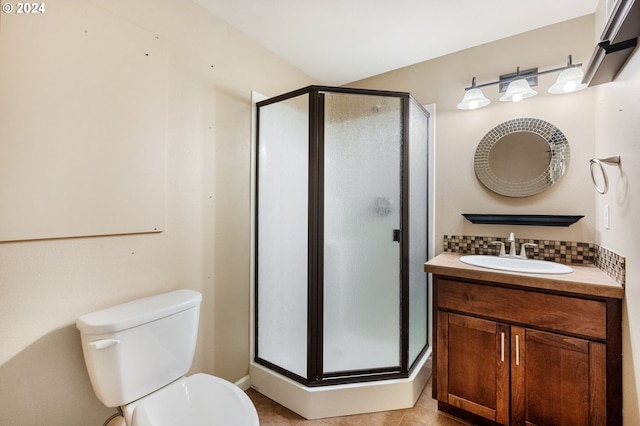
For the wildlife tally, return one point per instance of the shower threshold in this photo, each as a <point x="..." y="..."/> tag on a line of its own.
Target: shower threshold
<point x="342" y="400"/>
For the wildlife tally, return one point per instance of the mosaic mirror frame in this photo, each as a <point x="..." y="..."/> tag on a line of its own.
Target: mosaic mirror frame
<point x="559" y="152"/>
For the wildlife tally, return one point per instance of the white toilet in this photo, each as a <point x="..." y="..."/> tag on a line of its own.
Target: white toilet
<point x="137" y="354"/>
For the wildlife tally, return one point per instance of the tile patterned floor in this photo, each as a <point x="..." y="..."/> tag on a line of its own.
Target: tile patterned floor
<point x="425" y="412"/>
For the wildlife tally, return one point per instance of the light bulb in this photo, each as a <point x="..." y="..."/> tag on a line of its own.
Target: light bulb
<point x="569" y="86"/>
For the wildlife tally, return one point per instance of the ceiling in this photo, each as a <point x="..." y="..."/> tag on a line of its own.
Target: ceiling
<point x="341" y="41"/>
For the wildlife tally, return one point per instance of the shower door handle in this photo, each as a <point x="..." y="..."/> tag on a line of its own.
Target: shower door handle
<point x="397" y="235"/>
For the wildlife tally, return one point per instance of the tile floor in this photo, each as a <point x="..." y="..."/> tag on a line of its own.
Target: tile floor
<point x="425" y="412"/>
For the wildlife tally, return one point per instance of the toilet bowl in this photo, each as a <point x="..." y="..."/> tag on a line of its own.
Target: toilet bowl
<point x="198" y="400"/>
<point x="136" y="355"/>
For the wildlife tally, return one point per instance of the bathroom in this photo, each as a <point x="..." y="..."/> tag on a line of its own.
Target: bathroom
<point x="207" y="71"/>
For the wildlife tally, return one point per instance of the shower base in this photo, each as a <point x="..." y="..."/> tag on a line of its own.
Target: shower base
<point x="342" y="400"/>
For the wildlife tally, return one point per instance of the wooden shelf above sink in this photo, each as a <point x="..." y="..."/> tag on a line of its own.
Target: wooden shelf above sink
<point x="522" y="219"/>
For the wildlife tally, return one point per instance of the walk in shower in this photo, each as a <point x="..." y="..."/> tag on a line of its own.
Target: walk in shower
<point x="341" y="300"/>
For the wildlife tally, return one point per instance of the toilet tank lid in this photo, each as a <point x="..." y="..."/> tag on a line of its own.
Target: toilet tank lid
<point x="138" y="312"/>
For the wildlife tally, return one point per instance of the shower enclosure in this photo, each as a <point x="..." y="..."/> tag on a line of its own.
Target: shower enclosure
<point x="340" y="236"/>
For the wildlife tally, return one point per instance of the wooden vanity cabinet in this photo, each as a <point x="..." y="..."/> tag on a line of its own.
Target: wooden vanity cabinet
<point x="513" y="356"/>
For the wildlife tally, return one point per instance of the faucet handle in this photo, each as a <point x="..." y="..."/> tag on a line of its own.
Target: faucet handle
<point x="523" y="251"/>
<point x="502" y="252"/>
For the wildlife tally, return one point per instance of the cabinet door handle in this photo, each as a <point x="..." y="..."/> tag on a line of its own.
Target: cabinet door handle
<point x="517" y="350"/>
<point x="502" y="347"/>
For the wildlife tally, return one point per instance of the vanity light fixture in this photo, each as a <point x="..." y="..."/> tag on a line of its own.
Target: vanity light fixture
<point x="473" y="98"/>
<point x="569" y="80"/>
<point x="518" y="90"/>
<point x="517" y="86"/>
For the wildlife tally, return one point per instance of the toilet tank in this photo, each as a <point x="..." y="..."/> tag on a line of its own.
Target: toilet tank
<point x="135" y="348"/>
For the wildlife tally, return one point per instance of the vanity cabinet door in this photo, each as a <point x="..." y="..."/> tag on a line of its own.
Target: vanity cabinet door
<point x="556" y="379"/>
<point x="473" y="365"/>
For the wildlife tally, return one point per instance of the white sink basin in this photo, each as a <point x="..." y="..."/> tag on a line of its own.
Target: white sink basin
<point x="531" y="266"/>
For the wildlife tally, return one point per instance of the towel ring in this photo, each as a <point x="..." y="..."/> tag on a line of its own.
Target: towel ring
<point x="614" y="161"/>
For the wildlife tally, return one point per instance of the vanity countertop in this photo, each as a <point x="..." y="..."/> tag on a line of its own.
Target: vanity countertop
<point x="585" y="279"/>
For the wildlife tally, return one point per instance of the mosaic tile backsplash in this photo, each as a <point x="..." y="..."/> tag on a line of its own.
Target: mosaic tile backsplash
<point x="611" y="263"/>
<point x="555" y="251"/>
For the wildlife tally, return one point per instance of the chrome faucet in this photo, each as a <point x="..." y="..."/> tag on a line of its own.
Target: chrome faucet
<point x="512" y="248"/>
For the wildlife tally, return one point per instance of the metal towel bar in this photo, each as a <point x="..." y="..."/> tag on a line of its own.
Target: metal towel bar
<point x="614" y="161"/>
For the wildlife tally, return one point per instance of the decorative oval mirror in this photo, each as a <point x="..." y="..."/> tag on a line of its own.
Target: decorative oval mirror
<point x="521" y="157"/>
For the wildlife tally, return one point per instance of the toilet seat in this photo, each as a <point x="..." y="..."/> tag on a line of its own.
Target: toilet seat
<point x="198" y="400"/>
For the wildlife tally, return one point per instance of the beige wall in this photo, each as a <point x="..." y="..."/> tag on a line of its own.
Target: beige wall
<point x="442" y="81"/>
<point x="618" y="133"/>
<point x="45" y="285"/>
<point x="600" y="121"/>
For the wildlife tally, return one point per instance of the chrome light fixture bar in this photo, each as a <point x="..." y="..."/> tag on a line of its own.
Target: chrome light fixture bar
<point x="517" y="86"/>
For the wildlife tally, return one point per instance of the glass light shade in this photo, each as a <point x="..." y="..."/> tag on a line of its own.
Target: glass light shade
<point x="569" y="80"/>
<point x="518" y="90"/>
<point x="473" y="99"/>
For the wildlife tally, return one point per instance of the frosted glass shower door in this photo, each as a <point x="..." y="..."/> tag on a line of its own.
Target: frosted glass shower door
<point x="418" y="176"/>
<point x="282" y="223"/>
<point x="362" y="194"/>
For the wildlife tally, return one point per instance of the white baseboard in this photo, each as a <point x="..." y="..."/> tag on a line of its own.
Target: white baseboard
<point x="244" y="383"/>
